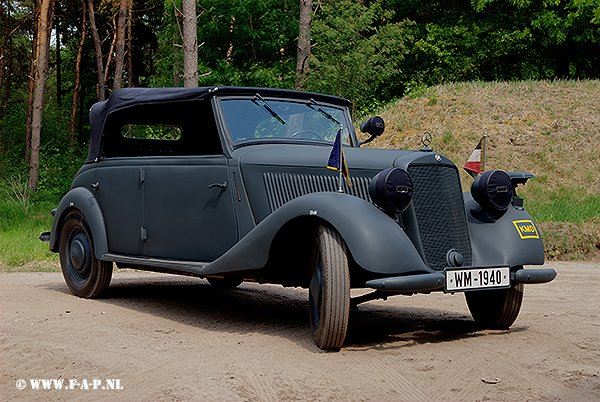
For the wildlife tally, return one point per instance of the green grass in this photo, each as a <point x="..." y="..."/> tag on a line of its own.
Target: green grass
<point x="19" y="232"/>
<point x="567" y="206"/>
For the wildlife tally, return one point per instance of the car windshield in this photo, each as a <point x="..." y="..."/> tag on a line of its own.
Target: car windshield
<point x="260" y="119"/>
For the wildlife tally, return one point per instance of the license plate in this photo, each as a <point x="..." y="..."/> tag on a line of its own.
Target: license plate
<point x="458" y="280"/>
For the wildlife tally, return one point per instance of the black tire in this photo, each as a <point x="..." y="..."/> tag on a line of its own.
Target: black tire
<point x="495" y="309"/>
<point x="86" y="276"/>
<point x="224" y="283"/>
<point x="329" y="290"/>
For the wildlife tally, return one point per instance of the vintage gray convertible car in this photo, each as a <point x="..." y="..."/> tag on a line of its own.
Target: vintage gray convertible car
<point x="232" y="184"/>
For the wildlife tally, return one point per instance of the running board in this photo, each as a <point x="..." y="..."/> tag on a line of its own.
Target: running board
<point x="189" y="267"/>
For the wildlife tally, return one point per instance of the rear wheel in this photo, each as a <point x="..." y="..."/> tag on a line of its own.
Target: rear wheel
<point x="85" y="275"/>
<point x="497" y="309"/>
<point x="329" y="291"/>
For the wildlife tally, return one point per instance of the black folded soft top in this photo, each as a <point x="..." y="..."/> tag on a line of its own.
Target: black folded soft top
<point x="128" y="97"/>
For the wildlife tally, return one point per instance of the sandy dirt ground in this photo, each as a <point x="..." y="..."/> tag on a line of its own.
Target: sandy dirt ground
<point x="161" y="337"/>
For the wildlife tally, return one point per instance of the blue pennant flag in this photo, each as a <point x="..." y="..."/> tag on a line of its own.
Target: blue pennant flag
<point x="337" y="161"/>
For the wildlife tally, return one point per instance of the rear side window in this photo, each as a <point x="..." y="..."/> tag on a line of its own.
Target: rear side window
<point x="151" y="132"/>
<point x="165" y="129"/>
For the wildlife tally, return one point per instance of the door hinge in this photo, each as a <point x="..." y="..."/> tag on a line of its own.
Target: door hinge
<point x="143" y="234"/>
<point x="142" y="175"/>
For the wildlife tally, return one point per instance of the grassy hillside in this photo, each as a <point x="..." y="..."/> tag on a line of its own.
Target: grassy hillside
<point x="551" y="129"/>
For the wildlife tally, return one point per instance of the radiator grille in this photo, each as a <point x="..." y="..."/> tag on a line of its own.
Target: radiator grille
<point x="284" y="187"/>
<point x="438" y="205"/>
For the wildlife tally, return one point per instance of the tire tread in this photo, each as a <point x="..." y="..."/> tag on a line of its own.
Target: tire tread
<point x="496" y="309"/>
<point x="336" y="290"/>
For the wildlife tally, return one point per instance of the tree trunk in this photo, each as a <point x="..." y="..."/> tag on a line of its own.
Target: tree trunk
<point x="101" y="90"/>
<point x="5" y="18"/>
<point x="77" y="76"/>
<point x="58" y="62"/>
<point x="190" y="44"/>
<point x="32" y="60"/>
<point x="2" y="46"/>
<point x="129" y="45"/>
<point x="303" y="42"/>
<point x="80" y="135"/>
<point x="9" y="68"/>
<point x="112" y="48"/>
<point x="120" y="45"/>
<point x="177" y="55"/>
<point x="5" y="39"/>
<point x="44" y="32"/>
<point x="230" y="48"/>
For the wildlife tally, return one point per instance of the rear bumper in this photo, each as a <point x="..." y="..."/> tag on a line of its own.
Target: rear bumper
<point x="436" y="280"/>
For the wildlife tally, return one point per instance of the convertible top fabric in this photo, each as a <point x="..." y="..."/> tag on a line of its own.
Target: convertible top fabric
<point x="129" y="97"/>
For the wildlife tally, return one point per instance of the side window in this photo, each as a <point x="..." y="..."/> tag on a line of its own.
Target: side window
<point x="151" y="132"/>
<point x="162" y="129"/>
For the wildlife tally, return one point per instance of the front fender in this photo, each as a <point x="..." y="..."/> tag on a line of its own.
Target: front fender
<point x="82" y="199"/>
<point x="376" y="242"/>
<point x="511" y="240"/>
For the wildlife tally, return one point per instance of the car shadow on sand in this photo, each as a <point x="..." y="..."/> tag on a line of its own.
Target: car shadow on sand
<point x="282" y="312"/>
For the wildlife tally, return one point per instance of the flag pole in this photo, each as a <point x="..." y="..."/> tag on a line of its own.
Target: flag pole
<point x="340" y="180"/>
<point x="484" y="150"/>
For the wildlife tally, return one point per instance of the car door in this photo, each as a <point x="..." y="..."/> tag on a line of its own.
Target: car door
<point x="189" y="210"/>
<point x="119" y="193"/>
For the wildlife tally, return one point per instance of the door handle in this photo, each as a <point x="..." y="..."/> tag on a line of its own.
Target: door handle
<point x="222" y="186"/>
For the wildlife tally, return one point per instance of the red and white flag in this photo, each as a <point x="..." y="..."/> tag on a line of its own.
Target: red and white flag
<point x="474" y="164"/>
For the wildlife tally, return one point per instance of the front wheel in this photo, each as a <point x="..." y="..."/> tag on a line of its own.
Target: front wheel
<point x="86" y="276"/>
<point x="496" y="309"/>
<point x="329" y="291"/>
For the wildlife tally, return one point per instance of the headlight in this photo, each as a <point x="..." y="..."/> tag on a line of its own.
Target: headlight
<point x="493" y="191"/>
<point x="391" y="190"/>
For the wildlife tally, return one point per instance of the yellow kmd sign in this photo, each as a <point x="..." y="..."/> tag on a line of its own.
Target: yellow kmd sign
<point x="526" y="229"/>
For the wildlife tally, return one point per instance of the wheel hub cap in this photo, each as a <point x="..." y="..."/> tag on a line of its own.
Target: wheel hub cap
<point x="77" y="254"/>
<point x="80" y="254"/>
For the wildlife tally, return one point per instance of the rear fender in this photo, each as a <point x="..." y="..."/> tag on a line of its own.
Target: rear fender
<point x="511" y="240"/>
<point x="82" y="199"/>
<point x="376" y="242"/>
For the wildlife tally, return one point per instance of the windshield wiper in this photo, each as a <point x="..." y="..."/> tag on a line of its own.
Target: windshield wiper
<point x="320" y="109"/>
<point x="267" y="108"/>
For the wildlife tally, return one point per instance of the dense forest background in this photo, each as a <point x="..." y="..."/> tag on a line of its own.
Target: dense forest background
<point x="371" y="52"/>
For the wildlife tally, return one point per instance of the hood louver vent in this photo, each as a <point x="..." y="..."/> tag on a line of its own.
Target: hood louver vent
<point x="284" y="187"/>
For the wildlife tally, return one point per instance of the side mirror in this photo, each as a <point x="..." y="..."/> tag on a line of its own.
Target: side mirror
<point x="374" y="126"/>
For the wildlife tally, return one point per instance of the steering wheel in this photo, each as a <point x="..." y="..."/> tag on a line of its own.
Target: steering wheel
<point x="313" y="133"/>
